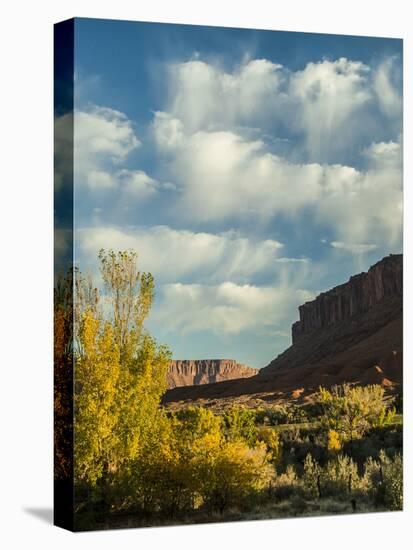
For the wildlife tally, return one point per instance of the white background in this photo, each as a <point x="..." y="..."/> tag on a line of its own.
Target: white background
<point x="26" y="273"/>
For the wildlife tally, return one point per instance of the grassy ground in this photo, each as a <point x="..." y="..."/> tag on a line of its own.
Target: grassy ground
<point x="294" y="507"/>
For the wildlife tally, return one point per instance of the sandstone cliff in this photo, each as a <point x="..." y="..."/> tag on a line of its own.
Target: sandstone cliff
<point x="205" y="371"/>
<point x="358" y="295"/>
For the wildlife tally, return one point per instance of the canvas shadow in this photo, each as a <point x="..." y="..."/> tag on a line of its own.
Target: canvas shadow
<point x="44" y="514"/>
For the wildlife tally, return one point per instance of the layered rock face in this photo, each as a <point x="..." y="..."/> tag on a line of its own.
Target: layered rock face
<point x="358" y="295"/>
<point x="205" y="371"/>
<point x="347" y="331"/>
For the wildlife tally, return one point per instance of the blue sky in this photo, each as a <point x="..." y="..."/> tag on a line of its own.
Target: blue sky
<point x="249" y="169"/>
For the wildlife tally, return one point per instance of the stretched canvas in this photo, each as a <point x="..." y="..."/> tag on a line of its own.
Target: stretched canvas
<point x="228" y="274"/>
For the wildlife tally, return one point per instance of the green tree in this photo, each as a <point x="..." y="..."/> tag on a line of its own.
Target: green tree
<point x="352" y="410"/>
<point x="240" y="424"/>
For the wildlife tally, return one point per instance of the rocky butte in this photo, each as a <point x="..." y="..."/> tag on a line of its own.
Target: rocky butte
<point x="360" y="294"/>
<point x="351" y="333"/>
<point x="205" y="371"/>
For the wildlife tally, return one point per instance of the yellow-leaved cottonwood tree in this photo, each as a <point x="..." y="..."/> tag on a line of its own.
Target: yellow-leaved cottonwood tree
<point x="120" y="373"/>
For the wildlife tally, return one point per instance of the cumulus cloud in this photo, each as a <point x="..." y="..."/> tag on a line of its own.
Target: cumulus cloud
<point x="203" y="95"/>
<point x="330" y="96"/>
<point x="133" y="183"/>
<point x="384" y="155"/>
<point x="102" y="135"/>
<point x="365" y="206"/>
<point x="324" y="105"/>
<point x="98" y="179"/>
<point x="227" y="308"/>
<point x="360" y="206"/>
<point x="173" y="255"/>
<point x="99" y="142"/>
<point x="330" y="106"/>
<point x="137" y="183"/>
<point x="223" y="175"/>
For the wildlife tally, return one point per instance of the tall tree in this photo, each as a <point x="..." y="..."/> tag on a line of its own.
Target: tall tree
<point x="120" y="371"/>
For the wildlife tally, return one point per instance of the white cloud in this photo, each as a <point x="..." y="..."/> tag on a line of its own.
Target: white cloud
<point x="330" y="96"/>
<point x="203" y="95"/>
<point x="324" y="105"/>
<point x="227" y="308"/>
<point x="362" y="206"/>
<point x="292" y="260"/>
<point x="388" y="97"/>
<point x="137" y="183"/>
<point x="172" y="254"/>
<point x="99" y="179"/>
<point x="222" y="300"/>
<point x="222" y="172"/>
<point x="384" y="155"/>
<point x="365" y="206"/>
<point x="102" y="134"/>
<point x="168" y="130"/>
<point x="222" y="175"/>
<point x="103" y="140"/>
<point x="355" y="248"/>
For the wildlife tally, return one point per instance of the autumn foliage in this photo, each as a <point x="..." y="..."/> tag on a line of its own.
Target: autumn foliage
<point x="133" y="456"/>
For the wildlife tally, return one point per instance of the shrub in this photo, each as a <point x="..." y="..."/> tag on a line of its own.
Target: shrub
<point x="340" y="476"/>
<point x="236" y="472"/>
<point x="352" y="410"/>
<point x="278" y="415"/>
<point x="384" y="481"/>
<point x="287" y="484"/>
<point x="312" y="477"/>
<point x="271" y="438"/>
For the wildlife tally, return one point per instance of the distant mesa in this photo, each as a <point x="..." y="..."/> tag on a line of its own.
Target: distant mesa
<point x="189" y="372"/>
<point x="351" y="333"/>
